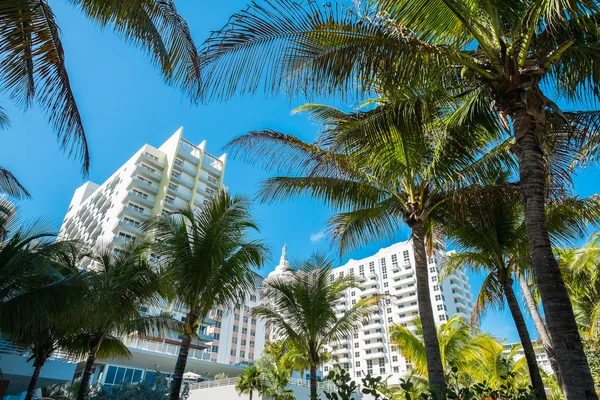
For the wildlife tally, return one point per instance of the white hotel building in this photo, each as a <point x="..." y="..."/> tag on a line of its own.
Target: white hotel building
<point x="176" y="174"/>
<point x="391" y="271"/>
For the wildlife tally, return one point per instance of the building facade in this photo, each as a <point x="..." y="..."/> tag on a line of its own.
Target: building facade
<point x="174" y="175"/>
<point x="391" y="272"/>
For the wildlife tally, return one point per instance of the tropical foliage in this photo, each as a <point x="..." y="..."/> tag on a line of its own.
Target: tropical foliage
<point x="301" y="309"/>
<point x="207" y="256"/>
<point x="469" y="355"/>
<point x="508" y="57"/>
<point x="34" y="68"/>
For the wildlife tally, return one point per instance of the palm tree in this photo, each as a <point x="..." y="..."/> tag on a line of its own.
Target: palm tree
<point x="487" y="233"/>
<point x="478" y="356"/>
<point x="507" y="56"/>
<point x="580" y="269"/>
<point x="250" y="380"/>
<point x="276" y="385"/>
<point x="376" y="185"/>
<point x="301" y="309"/>
<point x="33" y="65"/>
<point x="123" y="281"/>
<point x="208" y="258"/>
<point x="32" y="284"/>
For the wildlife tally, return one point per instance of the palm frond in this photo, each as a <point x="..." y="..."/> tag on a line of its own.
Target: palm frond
<point x="33" y="68"/>
<point x="11" y="186"/>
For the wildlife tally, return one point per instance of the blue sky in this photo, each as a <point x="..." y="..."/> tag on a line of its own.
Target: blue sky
<point x="125" y="104"/>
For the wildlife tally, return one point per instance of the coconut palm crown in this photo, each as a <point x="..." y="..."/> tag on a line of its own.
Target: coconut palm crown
<point x="301" y="309"/>
<point x="208" y="255"/>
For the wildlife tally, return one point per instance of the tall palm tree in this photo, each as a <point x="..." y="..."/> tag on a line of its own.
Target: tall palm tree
<point x="301" y="309"/>
<point x="507" y="55"/>
<point x="487" y="233"/>
<point x="33" y="63"/>
<point x="251" y="380"/>
<point x="377" y="185"/>
<point x="208" y="257"/>
<point x="122" y="282"/>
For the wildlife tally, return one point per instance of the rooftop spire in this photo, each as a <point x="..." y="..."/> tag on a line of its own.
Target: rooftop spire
<point x="283" y="260"/>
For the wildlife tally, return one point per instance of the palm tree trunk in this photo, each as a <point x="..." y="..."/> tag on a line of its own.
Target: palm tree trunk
<point x="87" y="374"/>
<point x="38" y="364"/>
<point x="528" y="116"/>
<point x="184" y="350"/>
<point x="528" y="350"/>
<point x="313" y="370"/>
<point x="539" y="324"/>
<point x="250" y="395"/>
<point x="435" y="369"/>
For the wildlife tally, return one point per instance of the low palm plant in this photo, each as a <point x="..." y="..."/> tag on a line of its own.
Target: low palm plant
<point x="208" y="256"/>
<point x="301" y="310"/>
<point x="123" y="281"/>
<point x="276" y="386"/>
<point x="251" y="380"/>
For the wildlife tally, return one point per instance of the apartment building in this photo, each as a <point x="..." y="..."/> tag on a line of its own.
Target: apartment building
<point x="156" y="179"/>
<point x="391" y="271"/>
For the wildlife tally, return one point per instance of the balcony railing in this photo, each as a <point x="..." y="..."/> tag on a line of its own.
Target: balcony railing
<point x="7" y="347"/>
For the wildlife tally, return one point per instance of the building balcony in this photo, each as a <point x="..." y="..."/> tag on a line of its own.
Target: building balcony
<point x="150" y="187"/>
<point x="189" y="151"/>
<point x="368" y="292"/>
<point x="146" y="201"/>
<point x="174" y="191"/>
<point x="406" y="290"/>
<point x="404" y="282"/>
<point x="376" y="354"/>
<point x="340" y="360"/>
<point x="152" y="160"/>
<point x="360" y="278"/>
<point x="372" y="345"/>
<point x="166" y="346"/>
<point x="154" y="176"/>
<point x="212" y="164"/>
<point x="210" y="181"/>
<point x="135" y="213"/>
<point x="341" y="350"/>
<point x="372" y="325"/>
<point x="182" y="179"/>
<point x="372" y="335"/>
<point x="186" y="167"/>
<point x="126" y="226"/>
<point x="121" y="241"/>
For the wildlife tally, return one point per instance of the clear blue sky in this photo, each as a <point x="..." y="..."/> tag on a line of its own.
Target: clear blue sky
<point x="125" y="104"/>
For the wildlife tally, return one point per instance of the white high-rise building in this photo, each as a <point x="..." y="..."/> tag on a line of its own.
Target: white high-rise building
<point x="391" y="271"/>
<point x="174" y="175"/>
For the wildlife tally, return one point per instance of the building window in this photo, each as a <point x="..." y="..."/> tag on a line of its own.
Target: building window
<point x="431" y="269"/>
<point x="358" y="364"/>
<point x="147" y="168"/>
<point x="440" y="307"/>
<point x="123" y="235"/>
<point x="390" y="320"/>
<point x="406" y="257"/>
<point x="434" y="279"/>
<point x="251" y="343"/>
<point x="353" y="302"/>
<point x="356" y="345"/>
<point x="244" y="330"/>
<point x="394" y="358"/>
<point x="252" y="333"/>
<point x="234" y="340"/>
<point x="351" y="271"/>
<point x="396" y="370"/>
<point x="179" y="162"/>
<point x="176" y="174"/>
<point x="253" y="321"/>
<point x="252" y="297"/>
<point x="361" y="270"/>
<point x="442" y="317"/>
<point x="385" y="284"/>
<point x="131" y="222"/>
<point x="170" y="199"/>
<point x="438" y="297"/>
<point x="436" y="288"/>
<point x="232" y="352"/>
<point x="215" y="349"/>
<point x="381" y="261"/>
<point x="243" y="342"/>
<point x="236" y="328"/>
